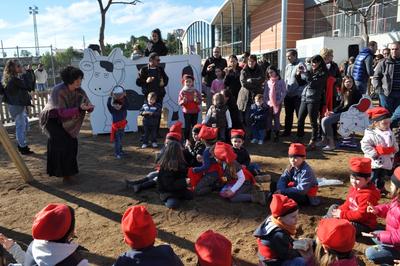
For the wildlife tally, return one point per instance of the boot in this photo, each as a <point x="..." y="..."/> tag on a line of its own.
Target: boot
<point x="259" y="197"/>
<point x="24" y="150"/>
<point x="276" y="135"/>
<point x="267" y="135"/>
<point x="330" y="146"/>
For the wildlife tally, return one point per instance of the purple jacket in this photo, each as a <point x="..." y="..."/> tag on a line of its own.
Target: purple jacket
<point x="391" y="211"/>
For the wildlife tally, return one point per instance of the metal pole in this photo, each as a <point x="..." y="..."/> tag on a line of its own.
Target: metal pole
<point x="232" y="26"/>
<point x="245" y="39"/>
<point x="2" y="49"/>
<point x="282" y="58"/>
<point x="17" y="52"/>
<point x="52" y="65"/>
<point x="222" y="33"/>
<point x="35" y="10"/>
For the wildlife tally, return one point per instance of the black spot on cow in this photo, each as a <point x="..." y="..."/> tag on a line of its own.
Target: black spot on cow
<point x="134" y="100"/>
<point x="107" y="65"/>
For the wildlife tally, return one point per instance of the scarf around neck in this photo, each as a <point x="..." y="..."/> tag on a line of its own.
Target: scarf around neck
<point x="291" y="229"/>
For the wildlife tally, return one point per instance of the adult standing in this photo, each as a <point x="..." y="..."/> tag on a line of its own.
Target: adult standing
<point x="41" y="77"/>
<point x="312" y="97"/>
<point x="208" y="72"/>
<point x="232" y="77"/>
<point x="363" y="66"/>
<point x="386" y="52"/>
<point x="17" y="97"/>
<point x="152" y="78"/>
<point x="156" y="44"/>
<point x="251" y="78"/>
<point x="386" y="80"/>
<point x="293" y="90"/>
<point x="29" y="78"/>
<point x="62" y="119"/>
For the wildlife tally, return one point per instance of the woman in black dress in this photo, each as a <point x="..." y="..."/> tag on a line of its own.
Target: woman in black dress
<point x="62" y="119"/>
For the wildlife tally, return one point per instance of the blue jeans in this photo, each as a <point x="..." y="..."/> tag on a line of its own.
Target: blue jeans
<point x="18" y="113"/>
<point x="258" y="134"/>
<point x="362" y="86"/>
<point x="381" y="253"/>
<point x="392" y="103"/>
<point x="118" y="141"/>
<point x="41" y="86"/>
<point x="298" y="261"/>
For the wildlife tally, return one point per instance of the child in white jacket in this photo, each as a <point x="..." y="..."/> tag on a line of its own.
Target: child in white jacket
<point x="380" y="145"/>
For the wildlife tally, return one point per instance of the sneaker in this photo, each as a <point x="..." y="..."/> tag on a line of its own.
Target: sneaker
<point x="154" y="145"/>
<point x="260" y="142"/>
<point x="253" y="141"/>
<point x="328" y="148"/>
<point x="263" y="178"/>
<point x="118" y="156"/>
<point x="144" y="146"/>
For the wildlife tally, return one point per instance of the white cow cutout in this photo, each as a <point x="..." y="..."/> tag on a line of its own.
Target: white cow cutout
<point x="103" y="73"/>
<point x="355" y="120"/>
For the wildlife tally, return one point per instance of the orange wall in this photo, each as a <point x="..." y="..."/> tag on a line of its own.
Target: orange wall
<point x="266" y="25"/>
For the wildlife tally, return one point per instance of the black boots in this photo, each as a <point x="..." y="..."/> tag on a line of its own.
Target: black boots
<point x="24" y="150"/>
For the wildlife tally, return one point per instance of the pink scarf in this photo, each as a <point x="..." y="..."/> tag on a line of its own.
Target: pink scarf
<point x="272" y="94"/>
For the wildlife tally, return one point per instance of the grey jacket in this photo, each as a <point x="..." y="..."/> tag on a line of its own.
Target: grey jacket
<point x="251" y="80"/>
<point x="293" y="87"/>
<point x="383" y="76"/>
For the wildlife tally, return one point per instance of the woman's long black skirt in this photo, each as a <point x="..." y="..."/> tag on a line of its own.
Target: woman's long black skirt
<point x="62" y="150"/>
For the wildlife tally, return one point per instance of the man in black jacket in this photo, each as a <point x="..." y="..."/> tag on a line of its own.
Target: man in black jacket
<point x="208" y="72"/>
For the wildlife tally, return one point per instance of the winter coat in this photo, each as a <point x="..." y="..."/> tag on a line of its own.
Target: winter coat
<point x="117" y="115"/>
<point x="193" y="100"/>
<point x="390" y="211"/>
<point x="156" y="85"/>
<point x="372" y="138"/>
<point x="275" y="245"/>
<point x="363" y="68"/>
<point x="17" y="93"/>
<point x="243" y="156"/>
<point x="304" y="179"/>
<point x="29" y="79"/>
<point x="251" y="80"/>
<point x="41" y="76"/>
<point x="314" y="90"/>
<point x="258" y="116"/>
<point x="218" y="116"/>
<point x="383" y="76"/>
<point x="158" y="47"/>
<point x="209" y="76"/>
<point x="293" y="87"/>
<point x="354" y="208"/>
<point x="172" y="184"/>
<point x="150" y="120"/>
<point x="192" y="151"/>
<point x="279" y="95"/>
<point x="232" y="81"/>
<point x="234" y="112"/>
<point x="208" y="160"/>
<point x="161" y="255"/>
<point x="41" y="252"/>
<point x="354" y="98"/>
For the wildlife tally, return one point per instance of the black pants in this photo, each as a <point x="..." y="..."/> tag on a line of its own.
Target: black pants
<point x="190" y="121"/>
<point x="312" y="110"/>
<point x="297" y="197"/>
<point x="160" y="100"/>
<point x="292" y="104"/>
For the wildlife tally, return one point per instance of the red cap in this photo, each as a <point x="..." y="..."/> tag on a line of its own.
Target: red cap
<point x="336" y="234"/>
<point x="282" y="205"/>
<point x="208" y="133"/>
<point x="224" y="152"/>
<point x="175" y="131"/>
<point x="396" y="177"/>
<point x="174" y="136"/>
<point x="138" y="227"/>
<point x="52" y="223"/>
<point x="297" y="149"/>
<point x="378" y="113"/>
<point x="213" y="249"/>
<point x="360" y="166"/>
<point x="237" y="133"/>
<point x="196" y="128"/>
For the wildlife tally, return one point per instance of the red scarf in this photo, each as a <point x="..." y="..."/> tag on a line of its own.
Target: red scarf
<point x="115" y="126"/>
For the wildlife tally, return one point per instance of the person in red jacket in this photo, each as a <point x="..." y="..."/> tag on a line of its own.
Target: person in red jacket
<point x="362" y="193"/>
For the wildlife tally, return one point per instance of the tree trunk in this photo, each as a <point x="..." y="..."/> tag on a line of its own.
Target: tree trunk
<point x="102" y="27"/>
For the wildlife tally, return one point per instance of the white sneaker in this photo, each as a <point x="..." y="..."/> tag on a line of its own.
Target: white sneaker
<point x="260" y="142"/>
<point x="144" y="146"/>
<point x="253" y="141"/>
<point x="154" y="145"/>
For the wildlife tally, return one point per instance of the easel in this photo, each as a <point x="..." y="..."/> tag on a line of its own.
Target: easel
<point x="14" y="155"/>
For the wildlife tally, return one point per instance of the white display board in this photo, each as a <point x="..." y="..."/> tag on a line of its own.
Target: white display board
<point x="355" y="120"/>
<point x="102" y="73"/>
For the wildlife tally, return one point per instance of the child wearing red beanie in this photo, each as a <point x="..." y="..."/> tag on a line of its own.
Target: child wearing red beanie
<point x="275" y="234"/>
<point x="52" y="232"/>
<point x="298" y="180"/>
<point x="380" y="145"/>
<point x="335" y="242"/>
<point x="140" y="234"/>
<point x="213" y="249"/>
<point x="361" y="193"/>
<point x="387" y="242"/>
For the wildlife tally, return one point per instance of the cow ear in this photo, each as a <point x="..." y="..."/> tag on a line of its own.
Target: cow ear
<point x="117" y="58"/>
<point x="88" y="59"/>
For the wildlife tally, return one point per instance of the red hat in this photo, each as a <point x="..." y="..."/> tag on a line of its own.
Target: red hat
<point x="396" y="177"/>
<point x="224" y="152"/>
<point x="213" y="249"/>
<point x="208" y="133"/>
<point x="237" y="133"/>
<point x="52" y="223"/>
<point x="174" y="136"/>
<point x="138" y="227"/>
<point x="282" y="205"/>
<point x="175" y="131"/>
<point x="336" y="234"/>
<point x="360" y="166"/>
<point x="297" y="149"/>
<point x="378" y="113"/>
<point x="196" y="128"/>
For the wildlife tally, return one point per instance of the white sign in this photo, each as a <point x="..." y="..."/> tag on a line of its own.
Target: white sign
<point x="355" y="120"/>
<point x="103" y="73"/>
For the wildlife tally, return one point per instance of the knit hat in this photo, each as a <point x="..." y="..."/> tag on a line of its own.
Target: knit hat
<point x="297" y="149"/>
<point x="138" y="227"/>
<point x="360" y="166"/>
<point x="175" y="131"/>
<point x="282" y="205"/>
<point x="213" y="249"/>
<point x="396" y="177"/>
<point x="336" y="234"/>
<point x="224" y="152"/>
<point x="208" y="133"/>
<point x="237" y="133"/>
<point x="378" y="113"/>
<point x="196" y="128"/>
<point x="52" y="222"/>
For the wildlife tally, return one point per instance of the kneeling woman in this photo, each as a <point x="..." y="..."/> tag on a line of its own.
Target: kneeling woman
<point x="62" y="119"/>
